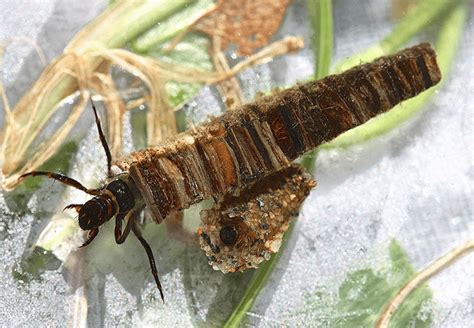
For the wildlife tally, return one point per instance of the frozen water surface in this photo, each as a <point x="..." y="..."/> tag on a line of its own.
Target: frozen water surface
<point x="413" y="185"/>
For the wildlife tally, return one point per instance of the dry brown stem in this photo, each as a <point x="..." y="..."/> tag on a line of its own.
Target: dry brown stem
<point x="83" y="73"/>
<point x="421" y="277"/>
<point x="229" y="89"/>
<point x="63" y="78"/>
<point x="247" y="24"/>
<point x="84" y="69"/>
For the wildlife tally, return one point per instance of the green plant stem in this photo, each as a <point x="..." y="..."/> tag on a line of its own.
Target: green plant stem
<point x="446" y="47"/>
<point x="422" y="15"/>
<point x="170" y="27"/>
<point x="256" y="284"/>
<point x="126" y="24"/>
<point x="321" y="19"/>
<point x="320" y="13"/>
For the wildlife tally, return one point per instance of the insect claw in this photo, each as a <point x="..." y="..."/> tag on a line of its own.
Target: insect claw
<point x="77" y="207"/>
<point x="161" y="294"/>
<point x="92" y="234"/>
<point x="151" y="258"/>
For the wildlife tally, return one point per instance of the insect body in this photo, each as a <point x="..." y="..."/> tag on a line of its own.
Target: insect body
<point x="243" y="158"/>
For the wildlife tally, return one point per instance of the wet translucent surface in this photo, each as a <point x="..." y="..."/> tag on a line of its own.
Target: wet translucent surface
<point x="414" y="185"/>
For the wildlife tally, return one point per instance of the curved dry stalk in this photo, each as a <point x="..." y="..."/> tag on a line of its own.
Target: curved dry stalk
<point x="82" y="72"/>
<point x="118" y="24"/>
<point x="160" y="115"/>
<point x="229" y="89"/>
<point x="19" y="136"/>
<point x="246" y="24"/>
<point x="287" y="45"/>
<point x="60" y="134"/>
<point x="434" y="268"/>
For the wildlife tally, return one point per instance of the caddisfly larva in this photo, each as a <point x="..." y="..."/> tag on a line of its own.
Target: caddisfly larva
<point x="243" y="160"/>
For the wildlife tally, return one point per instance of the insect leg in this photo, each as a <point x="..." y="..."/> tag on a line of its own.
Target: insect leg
<point x="119" y="235"/>
<point x="92" y="234"/>
<point x="151" y="259"/>
<point x="61" y="178"/>
<point x="77" y="207"/>
<point x="103" y="140"/>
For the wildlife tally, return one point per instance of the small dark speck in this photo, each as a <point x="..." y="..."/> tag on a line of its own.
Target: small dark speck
<point x="206" y="238"/>
<point x="216" y="249"/>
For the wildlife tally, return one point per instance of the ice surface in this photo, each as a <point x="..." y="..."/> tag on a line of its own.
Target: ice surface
<point x="414" y="184"/>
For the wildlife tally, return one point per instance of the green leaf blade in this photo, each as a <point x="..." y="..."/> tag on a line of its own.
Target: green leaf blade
<point x="363" y="295"/>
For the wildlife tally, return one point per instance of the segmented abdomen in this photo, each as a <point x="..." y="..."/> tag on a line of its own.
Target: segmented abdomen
<point x="240" y="147"/>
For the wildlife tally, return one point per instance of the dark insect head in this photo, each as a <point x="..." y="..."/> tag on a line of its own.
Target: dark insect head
<point x="96" y="212"/>
<point x="115" y="199"/>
